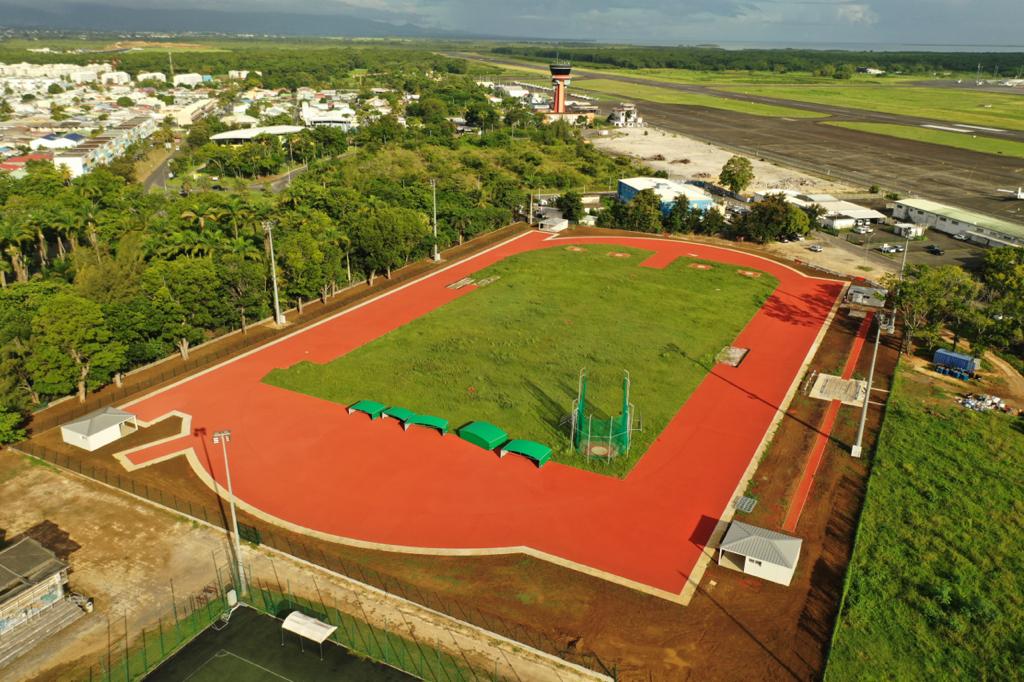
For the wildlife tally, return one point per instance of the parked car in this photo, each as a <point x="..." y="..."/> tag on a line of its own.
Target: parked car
<point x="935" y="250"/>
<point x="816" y="248"/>
<point x="960" y="237"/>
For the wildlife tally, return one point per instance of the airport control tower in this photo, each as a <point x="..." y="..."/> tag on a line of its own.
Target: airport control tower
<point x="560" y="79"/>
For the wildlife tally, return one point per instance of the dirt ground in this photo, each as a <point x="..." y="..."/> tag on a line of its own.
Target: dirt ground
<point x="122" y="554"/>
<point x="685" y="158"/>
<point x="129" y="556"/>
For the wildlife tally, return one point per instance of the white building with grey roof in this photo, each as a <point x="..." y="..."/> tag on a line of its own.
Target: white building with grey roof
<point x="760" y="552"/>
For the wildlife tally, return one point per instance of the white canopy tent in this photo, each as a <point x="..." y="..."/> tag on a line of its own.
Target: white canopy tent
<point x="307" y="627"/>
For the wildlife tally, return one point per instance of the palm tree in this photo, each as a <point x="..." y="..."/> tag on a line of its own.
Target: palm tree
<point x="13" y="238"/>
<point x="243" y="246"/>
<point x="197" y="216"/>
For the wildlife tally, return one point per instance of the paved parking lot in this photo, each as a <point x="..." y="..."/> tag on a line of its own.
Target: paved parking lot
<point x="964" y="254"/>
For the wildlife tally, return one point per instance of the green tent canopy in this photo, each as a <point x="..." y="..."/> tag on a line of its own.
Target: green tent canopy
<point x="374" y="409"/>
<point x="483" y="434"/>
<point x="400" y="413"/>
<point x="538" y="452"/>
<point x="428" y="421"/>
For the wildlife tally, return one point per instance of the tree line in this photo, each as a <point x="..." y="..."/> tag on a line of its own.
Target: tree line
<point x="99" y="276"/>
<point x="987" y="310"/>
<point x="826" y="62"/>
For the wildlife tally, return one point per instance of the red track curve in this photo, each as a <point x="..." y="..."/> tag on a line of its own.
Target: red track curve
<point x="305" y="462"/>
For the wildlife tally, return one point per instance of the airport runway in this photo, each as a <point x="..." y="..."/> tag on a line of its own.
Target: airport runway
<point x="954" y="176"/>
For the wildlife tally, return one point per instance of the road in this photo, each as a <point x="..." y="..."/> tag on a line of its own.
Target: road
<point x="159" y="176"/>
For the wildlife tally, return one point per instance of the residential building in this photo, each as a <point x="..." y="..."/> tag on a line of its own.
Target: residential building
<point x="116" y="78"/>
<point x="188" y="80"/>
<point x="155" y="76"/>
<point x="105" y="147"/>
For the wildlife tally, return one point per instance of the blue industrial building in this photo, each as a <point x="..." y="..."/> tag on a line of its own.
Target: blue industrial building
<point x="667" y="190"/>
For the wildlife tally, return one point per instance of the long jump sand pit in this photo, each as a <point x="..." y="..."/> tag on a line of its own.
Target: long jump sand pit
<point x="305" y="464"/>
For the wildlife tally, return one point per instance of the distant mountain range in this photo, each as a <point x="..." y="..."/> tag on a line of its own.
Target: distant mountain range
<point x="99" y="17"/>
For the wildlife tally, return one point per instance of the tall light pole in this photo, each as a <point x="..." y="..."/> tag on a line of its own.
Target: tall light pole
<point x="857" y="447"/>
<point x="433" y="189"/>
<point x="223" y="437"/>
<point x="906" y="250"/>
<point x="268" y="229"/>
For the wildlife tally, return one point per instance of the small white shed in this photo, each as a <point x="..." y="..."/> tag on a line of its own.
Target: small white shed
<point x="99" y="428"/>
<point x="760" y="552"/>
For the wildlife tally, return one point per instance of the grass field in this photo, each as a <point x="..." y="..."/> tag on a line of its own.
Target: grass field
<point x="986" y="145"/>
<point x="689" y="77"/>
<point x="510" y="353"/>
<point x="935" y="587"/>
<point x="944" y="104"/>
<point x="654" y="93"/>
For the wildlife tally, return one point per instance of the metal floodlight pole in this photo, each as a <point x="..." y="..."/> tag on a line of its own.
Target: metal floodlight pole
<point x="433" y="188"/>
<point x="857" y="447"/>
<point x="223" y="437"/>
<point x="268" y="228"/>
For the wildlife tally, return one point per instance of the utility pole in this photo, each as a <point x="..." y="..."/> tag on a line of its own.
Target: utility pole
<point x="268" y="227"/>
<point x="906" y="250"/>
<point x="223" y="437"/>
<point x="433" y="189"/>
<point x="170" y="62"/>
<point x="857" y="447"/>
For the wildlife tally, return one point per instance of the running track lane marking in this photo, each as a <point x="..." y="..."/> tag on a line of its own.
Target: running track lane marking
<point x="803" y="491"/>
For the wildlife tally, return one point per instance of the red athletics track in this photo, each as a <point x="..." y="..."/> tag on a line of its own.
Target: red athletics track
<point x="304" y="462"/>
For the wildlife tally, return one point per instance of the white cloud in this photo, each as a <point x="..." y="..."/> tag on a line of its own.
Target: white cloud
<point x="856" y="14"/>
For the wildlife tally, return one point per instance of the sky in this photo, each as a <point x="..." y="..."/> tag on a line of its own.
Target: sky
<point x="669" y="22"/>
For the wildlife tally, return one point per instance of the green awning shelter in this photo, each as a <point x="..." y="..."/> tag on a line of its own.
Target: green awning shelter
<point x="428" y="421"/>
<point x="369" y="407"/>
<point x="483" y="434"/>
<point x="400" y="413"/>
<point x="538" y="452"/>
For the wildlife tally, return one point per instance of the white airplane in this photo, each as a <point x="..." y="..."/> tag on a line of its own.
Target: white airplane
<point x="1016" y="194"/>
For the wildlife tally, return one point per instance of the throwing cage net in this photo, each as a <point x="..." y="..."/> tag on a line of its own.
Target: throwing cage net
<point x="605" y="438"/>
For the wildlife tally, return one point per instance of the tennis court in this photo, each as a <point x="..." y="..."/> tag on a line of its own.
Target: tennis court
<point x="250" y="649"/>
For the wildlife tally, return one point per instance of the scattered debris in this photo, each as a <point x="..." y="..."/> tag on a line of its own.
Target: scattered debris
<point x="984" y="403"/>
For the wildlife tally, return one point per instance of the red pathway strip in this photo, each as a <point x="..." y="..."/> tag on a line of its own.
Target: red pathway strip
<point x="304" y="462"/>
<point x="803" y="491"/>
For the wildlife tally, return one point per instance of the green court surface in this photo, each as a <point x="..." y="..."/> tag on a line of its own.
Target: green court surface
<point x="510" y="353"/>
<point x="249" y="650"/>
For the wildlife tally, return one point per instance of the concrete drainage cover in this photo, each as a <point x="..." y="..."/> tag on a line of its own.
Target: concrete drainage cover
<point x="847" y="391"/>
<point x="732" y="355"/>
